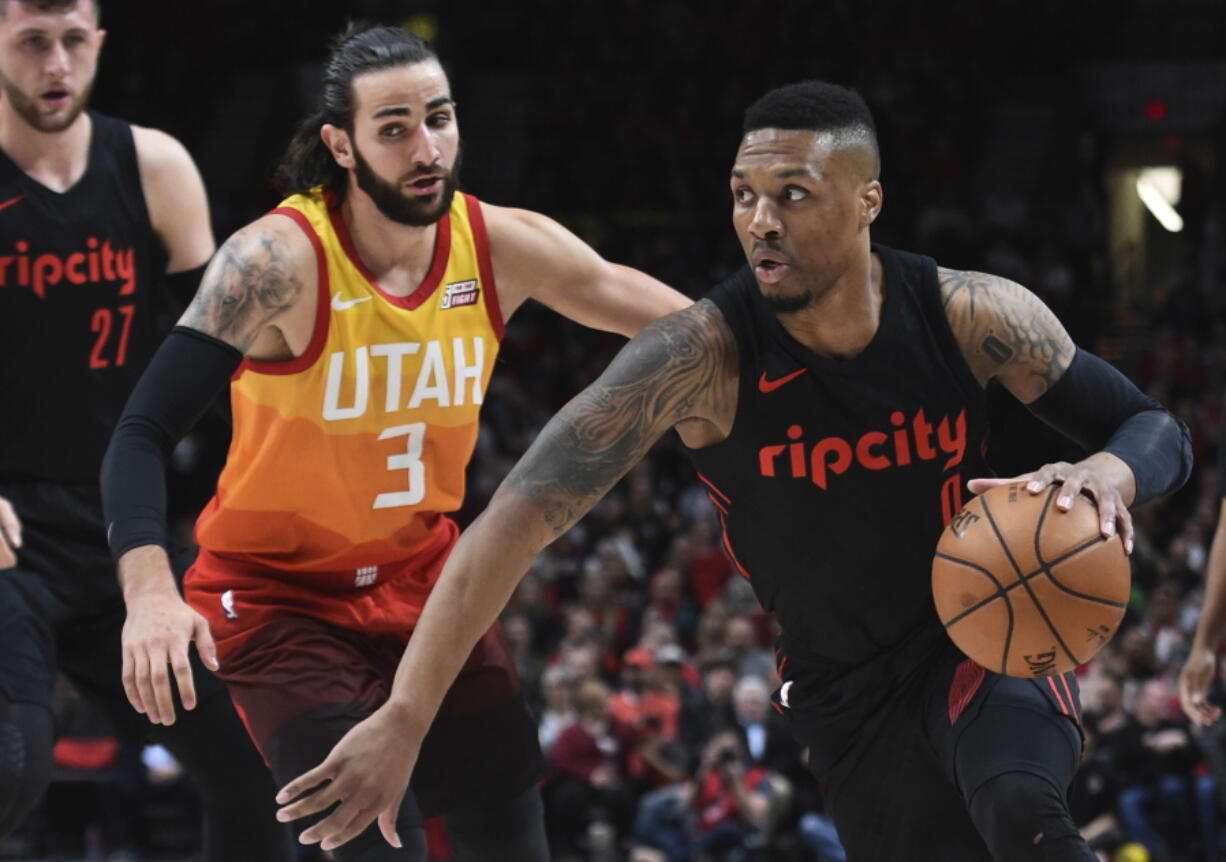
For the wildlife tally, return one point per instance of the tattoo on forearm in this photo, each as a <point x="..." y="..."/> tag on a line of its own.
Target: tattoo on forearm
<point x="249" y="282"/>
<point x="1007" y="325"/>
<point x="655" y="382"/>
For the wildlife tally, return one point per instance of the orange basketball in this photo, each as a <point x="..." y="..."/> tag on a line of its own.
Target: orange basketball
<point x="1025" y="589"/>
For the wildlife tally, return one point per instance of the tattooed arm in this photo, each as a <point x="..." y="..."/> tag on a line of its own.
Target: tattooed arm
<point x="259" y="291"/>
<point x="680" y="370"/>
<point x="256" y="299"/>
<point x="1006" y="332"/>
<point x="1139" y="450"/>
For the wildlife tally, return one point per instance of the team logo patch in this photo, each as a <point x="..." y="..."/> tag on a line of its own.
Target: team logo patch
<point x="461" y="293"/>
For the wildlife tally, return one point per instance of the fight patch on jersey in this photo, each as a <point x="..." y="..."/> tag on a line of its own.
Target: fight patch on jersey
<point x="461" y="293"/>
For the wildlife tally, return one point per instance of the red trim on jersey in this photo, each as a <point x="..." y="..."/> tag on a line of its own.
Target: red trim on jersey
<point x="968" y="677"/>
<point x="481" y="239"/>
<point x="711" y="485"/>
<point x="438" y="264"/>
<point x="1059" y="698"/>
<point x="716" y="503"/>
<point x="723" y="524"/>
<point x="1072" y="701"/>
<point x="322" y="310"/>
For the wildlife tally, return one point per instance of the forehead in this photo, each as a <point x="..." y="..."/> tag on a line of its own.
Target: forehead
<point x="778" y="150"/>
<point x="27" y="16"/>
<point x="410" y="86"/>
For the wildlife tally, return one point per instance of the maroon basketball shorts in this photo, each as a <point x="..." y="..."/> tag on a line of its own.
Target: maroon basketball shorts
<point x="300" y="684"/>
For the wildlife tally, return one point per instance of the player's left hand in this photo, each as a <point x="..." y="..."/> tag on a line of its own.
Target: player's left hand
<point x="1089" y="477"/>
<point x="367" y="772"/>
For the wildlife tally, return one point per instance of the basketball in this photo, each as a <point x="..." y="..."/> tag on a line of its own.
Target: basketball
<point x="1025" y="589"/>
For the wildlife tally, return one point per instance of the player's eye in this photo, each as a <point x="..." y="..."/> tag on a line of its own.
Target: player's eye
<point x="742" y="195"/>
<point x="794" y="193"/>
<point x="34" y="43"/>
<point x="393" y="131"/>
<point x="438" y="121"/>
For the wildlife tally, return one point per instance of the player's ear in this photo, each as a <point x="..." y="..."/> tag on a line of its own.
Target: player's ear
<point x="337" y="140"/>
<point x="870" y="202"/>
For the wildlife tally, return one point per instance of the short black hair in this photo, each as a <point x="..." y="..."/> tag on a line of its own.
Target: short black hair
<point x="817" y="106"/>
<point x="53" y="6"/>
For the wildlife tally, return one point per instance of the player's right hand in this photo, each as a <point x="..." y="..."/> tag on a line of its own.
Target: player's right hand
<point x="10" y="534"/>
<point x="156" y="635"/>
<point x="1194" y="681"/>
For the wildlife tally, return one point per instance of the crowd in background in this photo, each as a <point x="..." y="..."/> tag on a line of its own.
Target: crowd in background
<point x="644" y="652"/>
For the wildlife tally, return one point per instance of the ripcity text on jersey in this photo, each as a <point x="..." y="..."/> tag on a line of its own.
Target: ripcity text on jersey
<point x="837" y="478"/>
<point x="78" y="272"/>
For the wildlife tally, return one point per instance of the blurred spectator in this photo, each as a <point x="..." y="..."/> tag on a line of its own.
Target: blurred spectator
<point x="558" y="713"/>
<point x="717" y="815"/>
<point x="1163" y="798"/>
<point x="589" y="782"/>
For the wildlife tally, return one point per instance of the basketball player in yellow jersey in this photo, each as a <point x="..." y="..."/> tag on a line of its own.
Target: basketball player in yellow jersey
<point x="359" y="322"/>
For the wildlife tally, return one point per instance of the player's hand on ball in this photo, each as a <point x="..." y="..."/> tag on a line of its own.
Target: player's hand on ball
<point x="1194" y="681"/>
<point x="367" y="773"/>
<point x="1098" y="476"/>
<point x="156" y="634"/>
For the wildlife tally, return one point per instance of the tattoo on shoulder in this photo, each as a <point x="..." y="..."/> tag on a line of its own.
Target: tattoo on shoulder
<point x="249" y="282"/>
<point x="660" y="378"/>
<point x="1003" y="326"/>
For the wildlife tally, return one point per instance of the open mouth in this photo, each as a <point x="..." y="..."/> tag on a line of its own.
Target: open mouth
<point x="427" y="185"/>
<point x="770" y="270"/>
<point x="55" y="95"/>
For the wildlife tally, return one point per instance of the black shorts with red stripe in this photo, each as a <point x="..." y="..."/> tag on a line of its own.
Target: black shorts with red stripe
<point x="906" y="777"/>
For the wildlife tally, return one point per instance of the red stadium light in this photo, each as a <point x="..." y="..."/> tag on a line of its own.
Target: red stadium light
<point x="1157" y="109"/>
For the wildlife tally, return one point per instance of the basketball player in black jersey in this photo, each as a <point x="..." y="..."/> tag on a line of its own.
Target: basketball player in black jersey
<point x="96" y="217"/>
<point x="832" y="400"/>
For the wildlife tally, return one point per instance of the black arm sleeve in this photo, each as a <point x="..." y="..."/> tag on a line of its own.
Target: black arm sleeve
<point x="1102" y="410"/>
<point x="186" y="374"/>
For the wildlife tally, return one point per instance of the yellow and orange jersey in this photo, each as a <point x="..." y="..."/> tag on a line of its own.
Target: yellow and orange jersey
<point x="344" y="460"/>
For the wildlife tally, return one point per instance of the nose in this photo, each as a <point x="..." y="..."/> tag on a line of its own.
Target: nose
<point x="765" y="222"/>
<point x="424" y="148"/>
<point x="57" y="60"/>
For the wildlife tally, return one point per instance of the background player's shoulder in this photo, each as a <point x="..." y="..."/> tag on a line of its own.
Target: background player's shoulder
<point x="160" y="155"/>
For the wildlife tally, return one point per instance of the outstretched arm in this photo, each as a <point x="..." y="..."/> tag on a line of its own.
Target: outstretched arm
<point x="536" y="258"/>
<point x="671" y="372"/>
<point x="1139" y="450"/>
<point x="1201" y="665"/>
<point x="254" y="280"/>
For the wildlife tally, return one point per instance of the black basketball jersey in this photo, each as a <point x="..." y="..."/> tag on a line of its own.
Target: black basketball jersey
<point x="77" y="274"/>
<point x="839" y="475"/>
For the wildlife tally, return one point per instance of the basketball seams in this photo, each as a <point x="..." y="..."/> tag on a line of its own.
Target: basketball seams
<point x="1049" y="570"/>
<point x="968" y="578"/>
<point x="1001" y="592"/>
<point x="1017" y="569"/>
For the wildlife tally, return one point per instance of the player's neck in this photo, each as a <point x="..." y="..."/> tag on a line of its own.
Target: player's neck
<point x="54" y="159"/>
<point x="397" y="255"/>
<point x="843" y="321"/>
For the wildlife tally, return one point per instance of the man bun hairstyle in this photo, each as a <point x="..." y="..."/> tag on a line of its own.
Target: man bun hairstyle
<point x="817" y="106"/>
<point x="363" y="47"/>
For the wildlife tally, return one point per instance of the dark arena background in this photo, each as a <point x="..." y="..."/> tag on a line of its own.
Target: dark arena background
<point x="1014" y="137"/>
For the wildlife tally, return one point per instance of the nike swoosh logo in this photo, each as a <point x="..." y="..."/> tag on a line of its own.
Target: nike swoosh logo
<point x="8" y="203"/>
<point x="765" y="385"/>
<point x="339" y="304"/>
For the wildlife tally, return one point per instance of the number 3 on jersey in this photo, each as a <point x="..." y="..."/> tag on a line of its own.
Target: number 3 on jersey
<point x="408" y="460"/>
